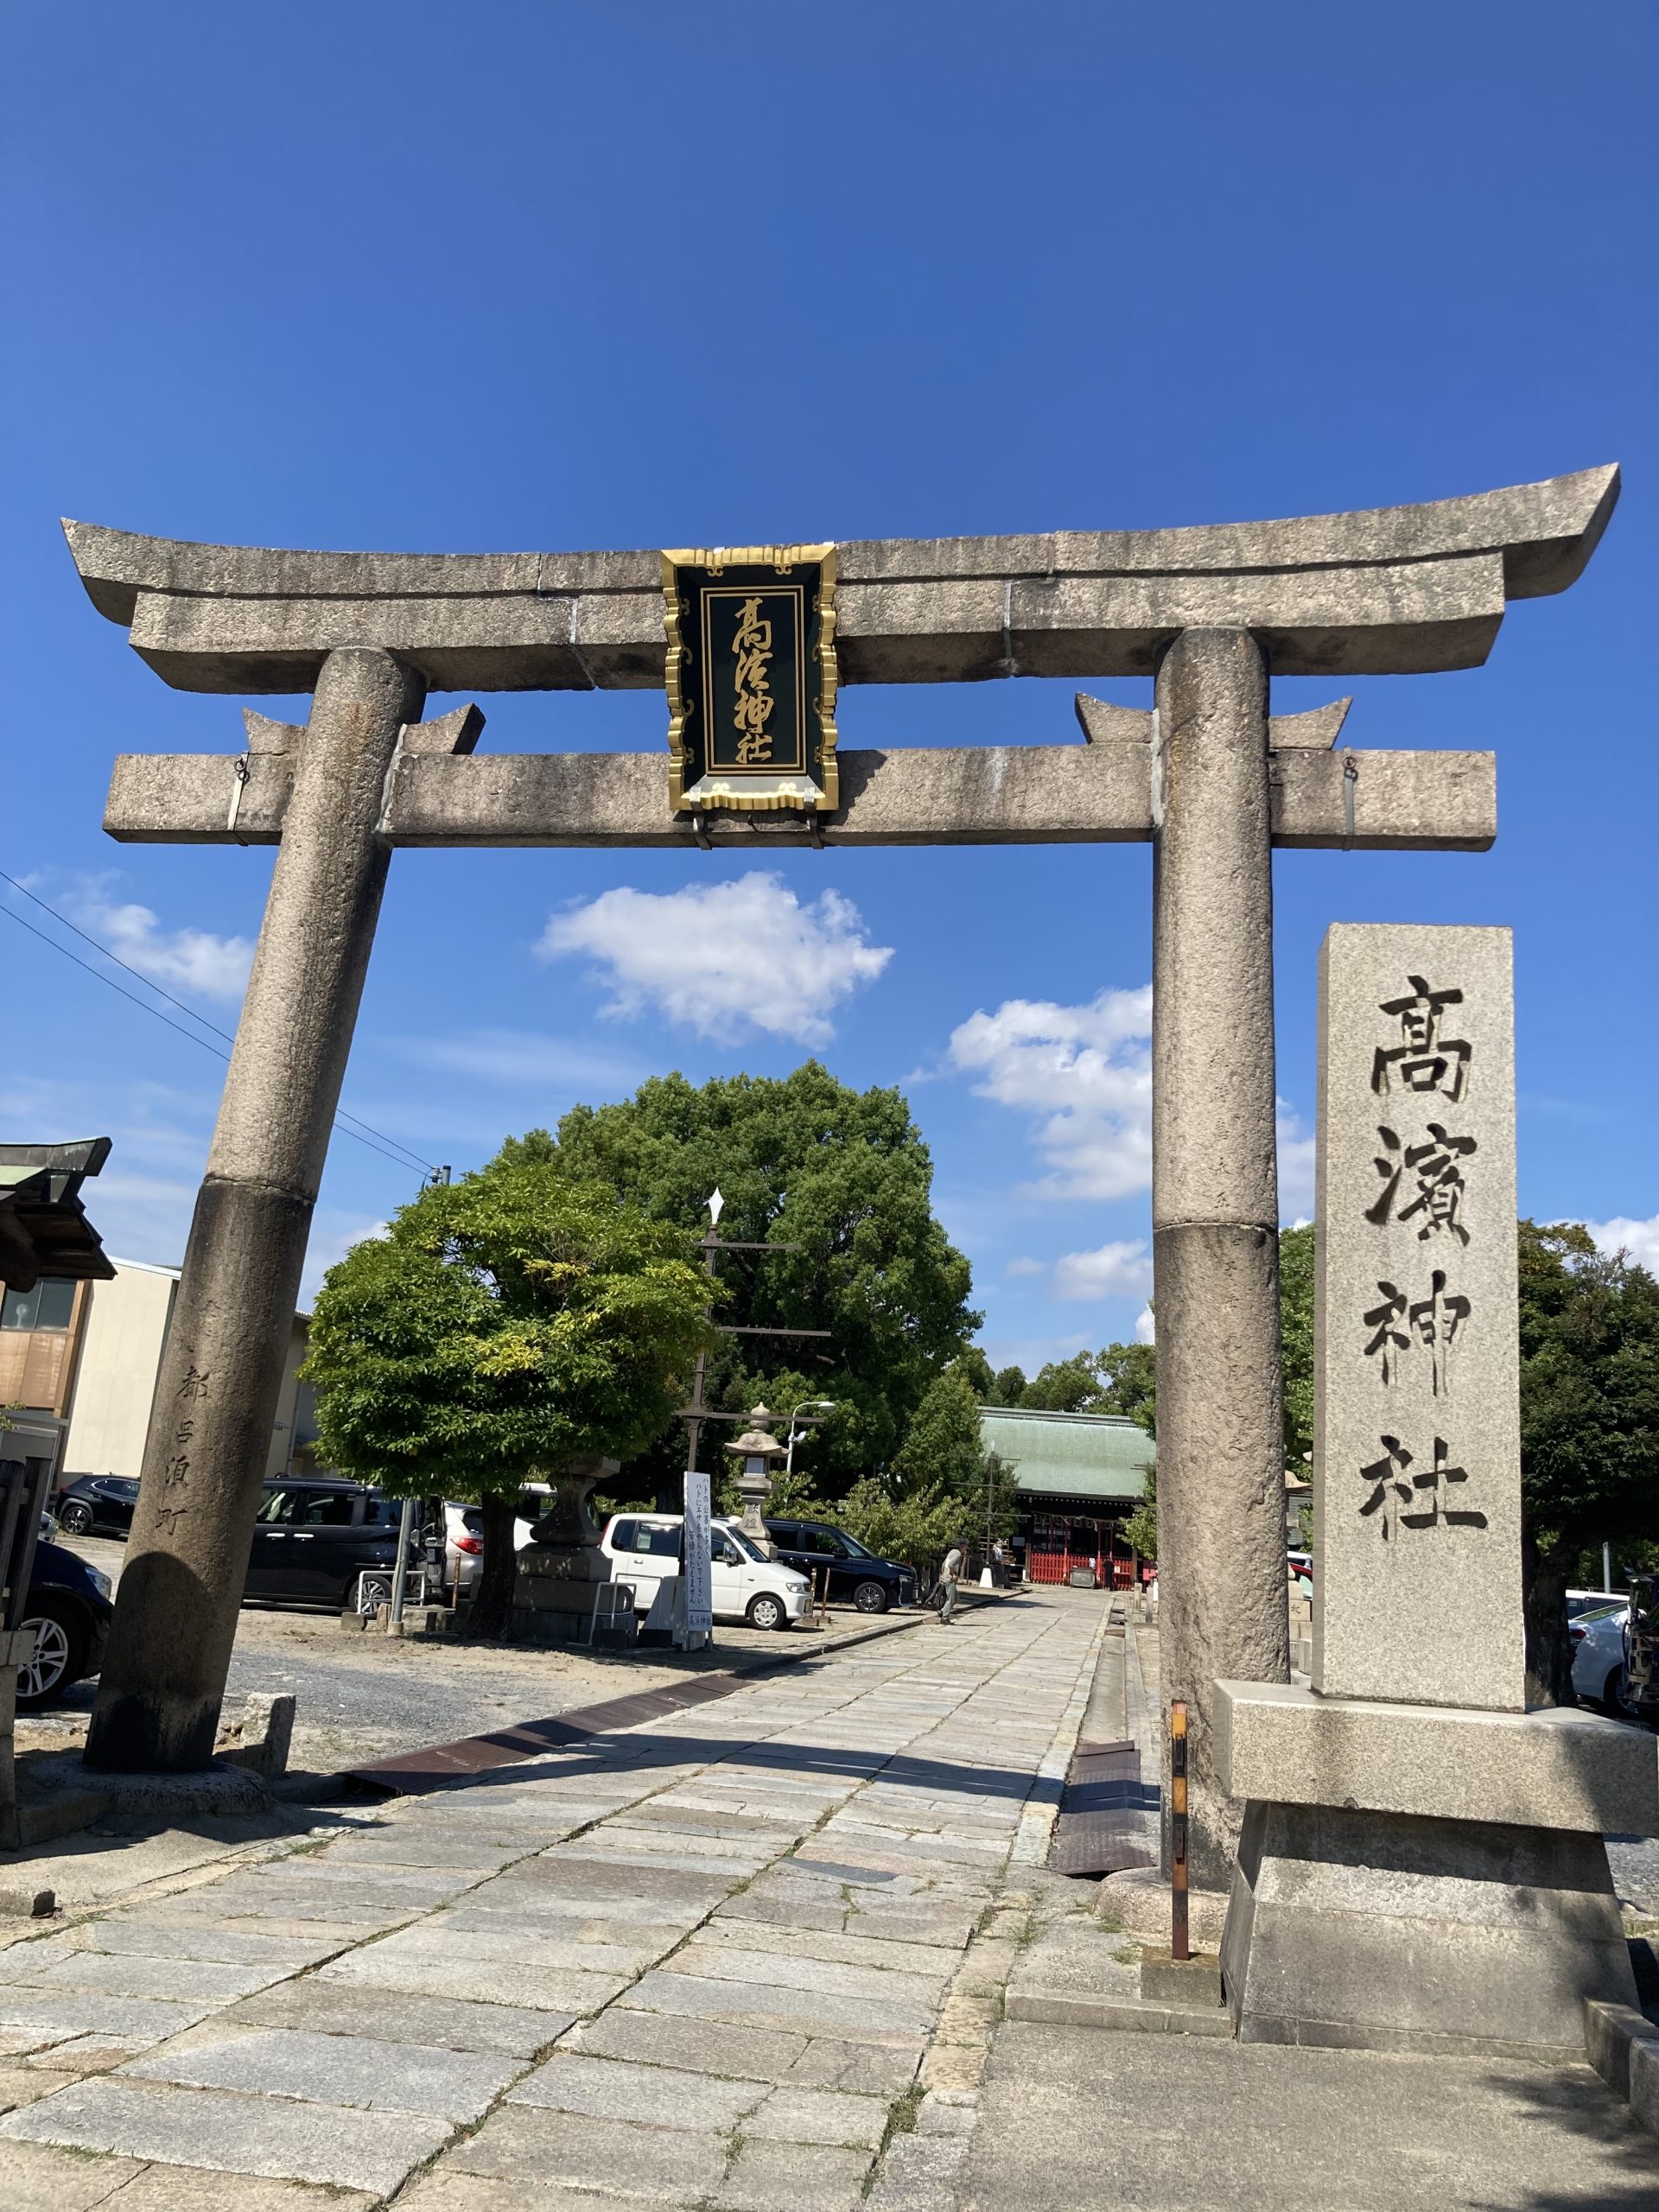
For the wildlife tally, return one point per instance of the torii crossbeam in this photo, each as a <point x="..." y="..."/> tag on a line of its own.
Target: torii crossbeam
<point x="1210" y="776"/>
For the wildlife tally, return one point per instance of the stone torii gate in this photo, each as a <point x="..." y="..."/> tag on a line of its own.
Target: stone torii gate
<point x="1210" y="776"/>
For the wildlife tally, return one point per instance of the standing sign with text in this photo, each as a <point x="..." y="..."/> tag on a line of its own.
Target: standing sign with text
<point x="695" y="1569"/>
<point x="1417" y="1456"/>
<point x="752" y="677"/>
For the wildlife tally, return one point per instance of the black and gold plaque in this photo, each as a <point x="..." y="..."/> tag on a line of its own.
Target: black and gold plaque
<point x="751" y="678"/>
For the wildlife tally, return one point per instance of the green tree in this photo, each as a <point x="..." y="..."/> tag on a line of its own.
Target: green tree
<point x="1589" y="1425"/>
<point x="1296" y="1341"/>
<point x="842" y="1176"/>
<point x="503" y="1326"/>
<point x="1064" y="1386"/>
<point x="916" y="1526"/>
<point x="1009" y="1386"/>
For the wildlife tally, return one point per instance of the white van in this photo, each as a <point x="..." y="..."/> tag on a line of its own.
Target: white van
<point x="746" y="1586"/>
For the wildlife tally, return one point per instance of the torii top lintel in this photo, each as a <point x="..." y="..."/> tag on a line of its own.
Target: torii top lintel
<point x="1384" y="591"/>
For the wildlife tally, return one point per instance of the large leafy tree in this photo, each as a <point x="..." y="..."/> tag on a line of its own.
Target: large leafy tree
<point x="503" y="1326"/>
<point x="1589" y="1425"/>
<point x="843" y="1177"/>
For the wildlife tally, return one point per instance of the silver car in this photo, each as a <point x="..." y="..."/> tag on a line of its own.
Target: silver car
<point x="1599" y="1655"/>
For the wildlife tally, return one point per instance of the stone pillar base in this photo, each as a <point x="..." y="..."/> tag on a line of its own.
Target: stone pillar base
<point x="1373" y="1908"/>
<point x="1381" y="1931"/>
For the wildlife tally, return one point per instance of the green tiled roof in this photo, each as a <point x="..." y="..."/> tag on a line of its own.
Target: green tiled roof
<point x="1070" y="1455"/>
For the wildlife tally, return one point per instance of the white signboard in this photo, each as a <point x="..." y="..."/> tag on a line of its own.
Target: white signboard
<point x="699" y="1597"/>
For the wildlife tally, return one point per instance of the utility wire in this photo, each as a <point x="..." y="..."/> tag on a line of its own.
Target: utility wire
<point x="348" y="1124"/>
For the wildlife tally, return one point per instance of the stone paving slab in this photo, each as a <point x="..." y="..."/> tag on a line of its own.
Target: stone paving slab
<point x="236" y="2134"/>
<point x="185" y="2189"/>
<point x="21" y="2085"/>
<point x="929" y="1959"/>
<point x="521" y="2142"/>
<point x="882" y="1986"/>
<point x="78" y="2012"/>
<point x="651" y="2096"/>
<point x="858" y="2019"/>
<point x="485" y="1981"/>
<point x="791" y="2115"/>
<point x="446" y="2023"/>
<point x="129" y="1974"/>
<point x="160" y="1939"/>
<point x="359" y="2071"/>
<point x="1183" y="2125"/>
<point x="793" y="2177"/>
<point x="749" y="2054"/>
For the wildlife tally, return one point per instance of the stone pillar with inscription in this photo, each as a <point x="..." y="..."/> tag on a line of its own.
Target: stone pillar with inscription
<point x="1421" y="1866"/>
<point x="164" y="1679"/>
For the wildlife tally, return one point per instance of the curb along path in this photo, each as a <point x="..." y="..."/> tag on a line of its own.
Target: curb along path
<point x="713" y="1962"/>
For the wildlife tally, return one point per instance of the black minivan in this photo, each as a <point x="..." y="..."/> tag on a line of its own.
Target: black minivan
<point x="315" y="1535"/>
<point x="854" y="1572"/>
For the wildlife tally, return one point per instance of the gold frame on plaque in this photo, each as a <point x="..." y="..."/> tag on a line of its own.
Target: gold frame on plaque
<point x="718" y="790"/>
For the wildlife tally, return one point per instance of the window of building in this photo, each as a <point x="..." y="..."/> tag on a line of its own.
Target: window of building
<point x="49" y="1305"/>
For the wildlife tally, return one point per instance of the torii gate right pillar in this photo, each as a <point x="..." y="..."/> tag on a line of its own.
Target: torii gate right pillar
<point x="1221" y="1526"/>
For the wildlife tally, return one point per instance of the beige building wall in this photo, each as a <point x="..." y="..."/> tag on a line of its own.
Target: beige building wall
<point x="124" y="1328"/>
<point x="115" y="1383"/>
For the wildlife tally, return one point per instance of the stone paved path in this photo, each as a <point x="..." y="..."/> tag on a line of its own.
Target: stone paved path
<point x="711" y="1962"/>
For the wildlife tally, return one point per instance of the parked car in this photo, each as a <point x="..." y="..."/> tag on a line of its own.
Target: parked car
<point x="854" y="1572"/>
<point x="463" y="1541"/>
<point x="1641" y="1647"/>
<point x="744" y="1585"/>
<point x="70" y="1607"/>
<point x="97" y="1505"/>
<point x="312" y="1537"/>
<point x="1599" y="1655"/>
<point x="1591" y="1601"/>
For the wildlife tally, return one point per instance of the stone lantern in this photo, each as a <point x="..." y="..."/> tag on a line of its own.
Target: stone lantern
<point x="757" y="1451"/>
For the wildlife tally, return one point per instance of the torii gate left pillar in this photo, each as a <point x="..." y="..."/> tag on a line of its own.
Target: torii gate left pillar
<point x="1213" y="778"/>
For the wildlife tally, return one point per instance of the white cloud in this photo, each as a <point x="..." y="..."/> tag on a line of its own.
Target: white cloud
<point x="1083" y="1073"/>
<point x="1145" y="1330"/>
<point x="184" y="959"/>
<point x="1639" y="1238"/>
<point x="724" y="959"/>
<point x="1111" y="1271"/>
<point x="1028" y="1268"/>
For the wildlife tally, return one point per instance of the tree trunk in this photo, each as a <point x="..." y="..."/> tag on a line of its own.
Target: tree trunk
<point x="491" y="1613"/>
<point x="1549" y="1649"/>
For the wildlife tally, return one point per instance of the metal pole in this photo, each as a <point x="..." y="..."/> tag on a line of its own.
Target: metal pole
<point x="1606" y="1566"/>
<point x="405" y="1529"/>
<point x="1179" y="1947"/>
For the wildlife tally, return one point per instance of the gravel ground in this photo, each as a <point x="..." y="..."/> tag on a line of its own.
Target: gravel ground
<point x="363" y="1696"/>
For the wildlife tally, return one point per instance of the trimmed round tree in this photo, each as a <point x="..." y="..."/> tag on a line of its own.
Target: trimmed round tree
<point x="503" y="1326"/>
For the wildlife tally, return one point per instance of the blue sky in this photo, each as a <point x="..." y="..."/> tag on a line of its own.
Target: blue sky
<point x="543" y="276"/>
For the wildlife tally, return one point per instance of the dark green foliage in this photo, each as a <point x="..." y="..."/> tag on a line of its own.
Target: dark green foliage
<point x="1589" y="1425"/>
<point x="1296" y="1331"/>
<point x="1118" y="1379"/>
<point x="1009" y="1387"/>
<point x="842" y="1174"/>
<point x="503" y="1326"/>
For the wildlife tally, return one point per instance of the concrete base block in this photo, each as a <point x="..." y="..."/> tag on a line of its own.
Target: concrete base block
<point x="1139" y="1901"/>
<point x="1167" y="1980"/>
<point x="1379" y="1931"/>
<point x="216" y="1789"/>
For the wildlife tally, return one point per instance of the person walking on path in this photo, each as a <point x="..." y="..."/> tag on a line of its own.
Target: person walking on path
<point x="950" y="1576"/>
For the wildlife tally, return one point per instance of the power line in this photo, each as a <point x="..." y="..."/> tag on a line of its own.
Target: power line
<point x="348" y="1124"/>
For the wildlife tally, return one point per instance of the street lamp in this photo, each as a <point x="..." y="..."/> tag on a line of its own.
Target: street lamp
<point x="807" y="1405"/>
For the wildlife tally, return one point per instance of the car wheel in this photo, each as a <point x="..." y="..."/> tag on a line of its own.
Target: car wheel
<point x="1612" y="1691"/>
<point x="767" y="1611"/>
<point x="368" y="1592"/>
<point x="60" y="1655"/>
<point x="76" y="1520"/>
<point x="870" y="1598"/>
